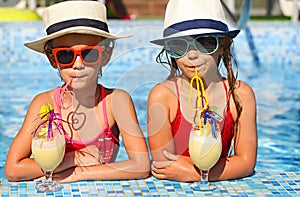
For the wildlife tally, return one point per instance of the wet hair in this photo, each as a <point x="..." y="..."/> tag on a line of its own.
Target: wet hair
<point x="231" y="74"/>
<point x="230" y="65"/>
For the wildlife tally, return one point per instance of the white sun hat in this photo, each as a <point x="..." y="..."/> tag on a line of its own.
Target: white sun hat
<point x="84" y="17"/>
<point x="194" y="17"/>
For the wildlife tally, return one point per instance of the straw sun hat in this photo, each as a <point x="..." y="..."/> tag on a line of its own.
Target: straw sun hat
<point x="194" y="17"/>
<point x="85" y="17"/>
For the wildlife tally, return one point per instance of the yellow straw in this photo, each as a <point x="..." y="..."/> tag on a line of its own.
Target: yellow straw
<point x="198" y="80"/>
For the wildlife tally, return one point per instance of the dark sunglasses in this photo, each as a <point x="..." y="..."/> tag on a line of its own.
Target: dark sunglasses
<point x="204" y="44"/>
<point x="65" y="57"/>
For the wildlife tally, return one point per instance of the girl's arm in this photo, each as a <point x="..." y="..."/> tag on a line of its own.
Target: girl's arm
<point x="166" y="164"/>
<point x="159" y="122"/>
<point x="120" y="108"/>
<point x="243" y="161"/>
<point x="19" y="166"/>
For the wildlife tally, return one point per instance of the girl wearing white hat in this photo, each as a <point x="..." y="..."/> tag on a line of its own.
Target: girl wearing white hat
<point x="90" y="116"/>
<point x="196" y="39"/>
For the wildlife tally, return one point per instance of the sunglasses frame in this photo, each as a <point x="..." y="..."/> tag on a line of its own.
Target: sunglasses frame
<point x="191" y="43"/>
<point x="76" y="53"/>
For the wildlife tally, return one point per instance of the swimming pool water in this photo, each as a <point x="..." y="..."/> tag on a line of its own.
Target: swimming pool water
<point x="275" y="78"/>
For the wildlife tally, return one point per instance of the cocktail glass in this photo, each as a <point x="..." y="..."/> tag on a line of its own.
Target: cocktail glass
<point x="205" y="148"/>
<point x="48" y="151"/>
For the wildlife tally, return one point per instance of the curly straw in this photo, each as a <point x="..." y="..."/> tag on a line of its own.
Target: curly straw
<point x="198" y="82"/>
<point x="59" y="96"/>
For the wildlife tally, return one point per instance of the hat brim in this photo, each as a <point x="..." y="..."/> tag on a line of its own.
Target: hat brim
<point x="38" y="45"/>
<point x="231" y="34"/>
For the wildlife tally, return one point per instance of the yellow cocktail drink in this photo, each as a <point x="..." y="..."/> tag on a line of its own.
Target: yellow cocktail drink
<point x="48" y="153"/>
<point x="205" y="150"/>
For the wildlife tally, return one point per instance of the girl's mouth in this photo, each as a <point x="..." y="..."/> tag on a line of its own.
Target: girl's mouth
<point x="77" y="76"/>
<point x="194" y="66"/>
<point x="191" y="67"/>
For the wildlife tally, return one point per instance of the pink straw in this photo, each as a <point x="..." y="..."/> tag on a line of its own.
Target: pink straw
<point x="59" y="96"/>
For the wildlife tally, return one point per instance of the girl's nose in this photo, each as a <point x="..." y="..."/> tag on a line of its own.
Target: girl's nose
<point x="192" y="53"/>
<point x="78" y="64"/>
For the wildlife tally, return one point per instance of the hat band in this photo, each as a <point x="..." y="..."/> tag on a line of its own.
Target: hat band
<point x="75" y="23"/>
<point x="195" y="24"/>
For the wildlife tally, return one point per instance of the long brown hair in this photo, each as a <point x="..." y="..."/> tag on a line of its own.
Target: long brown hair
<point x="230" y="65"/>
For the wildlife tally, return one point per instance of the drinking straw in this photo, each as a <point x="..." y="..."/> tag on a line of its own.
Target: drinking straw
<point x="49" y="117"/>
<point x="59" y="96"/>
<point x="200" y="91"/>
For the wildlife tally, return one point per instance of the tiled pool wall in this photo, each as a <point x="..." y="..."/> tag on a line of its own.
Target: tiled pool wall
<point x="25" y="73"/>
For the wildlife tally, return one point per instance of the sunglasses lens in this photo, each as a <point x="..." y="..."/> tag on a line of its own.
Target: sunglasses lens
<point x="176" y="47"/>
<point x="206" y="44"/>
<point x="65" y="56"/>
<point x="90" y="55"/>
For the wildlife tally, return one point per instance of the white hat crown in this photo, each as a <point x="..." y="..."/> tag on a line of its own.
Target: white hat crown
<point x="194" y="17"/>
<point x="70" y="11"/>
<point x="184" y="10"/>
<point x="74" y="10"/>
<point x="82" y="17"/>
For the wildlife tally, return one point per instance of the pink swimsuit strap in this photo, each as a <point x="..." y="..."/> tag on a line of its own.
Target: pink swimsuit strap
<point x="106" y="130"/>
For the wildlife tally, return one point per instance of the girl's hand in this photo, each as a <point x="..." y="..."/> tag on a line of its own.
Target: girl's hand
<point x="179" y="168"/>
<point x="84" y="161"/>
<point x="79" y="158"/>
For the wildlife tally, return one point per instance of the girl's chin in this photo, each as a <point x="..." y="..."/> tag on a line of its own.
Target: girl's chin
<point x="78" y="84"/>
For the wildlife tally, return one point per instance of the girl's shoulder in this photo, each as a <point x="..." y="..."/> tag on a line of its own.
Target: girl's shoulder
<point x="163" y="90"/>
<point x="41" y="99"/>
<point x="117" y="96"/>
<point x="116" y="92"/>
<point x="44" y="97"/>
<point x="244" y="89"/>
<point x="245" y="94"/>
<point x="241" y="87"/>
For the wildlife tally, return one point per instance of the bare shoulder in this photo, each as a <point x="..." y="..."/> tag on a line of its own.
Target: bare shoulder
<point x="247" y="100"/>
<point x="118" y="97"/>
<point x="246" y="96"/>
<point x="43" y="98"/>
<point x="162" y="91"/>
<point x="33" y="110"/>
<point x="119" y="93"/>
<point x="244" y="90"/>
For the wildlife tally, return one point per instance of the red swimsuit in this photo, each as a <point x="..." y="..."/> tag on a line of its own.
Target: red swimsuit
<point x="181" y="130"/>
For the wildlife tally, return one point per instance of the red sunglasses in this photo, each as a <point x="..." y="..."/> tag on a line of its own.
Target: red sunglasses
<point x="65" y="57"/>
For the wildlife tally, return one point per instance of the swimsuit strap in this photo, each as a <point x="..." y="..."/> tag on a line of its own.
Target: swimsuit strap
<point x="227" y="98"/>
<point x="107" y="130"/>
<point x="104" y="105"/>
<point x="176" y="122"/>
<point x="177" y="91"/>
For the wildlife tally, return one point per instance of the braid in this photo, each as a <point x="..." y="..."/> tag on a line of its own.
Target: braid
<point x="228" y="61"/>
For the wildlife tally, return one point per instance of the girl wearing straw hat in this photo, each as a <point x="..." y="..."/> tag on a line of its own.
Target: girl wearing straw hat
<point x="196" y="44"/>
<point x="90" y="116"/>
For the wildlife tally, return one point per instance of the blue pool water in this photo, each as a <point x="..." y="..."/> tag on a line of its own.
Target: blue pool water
<point x="274" y="74"/>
